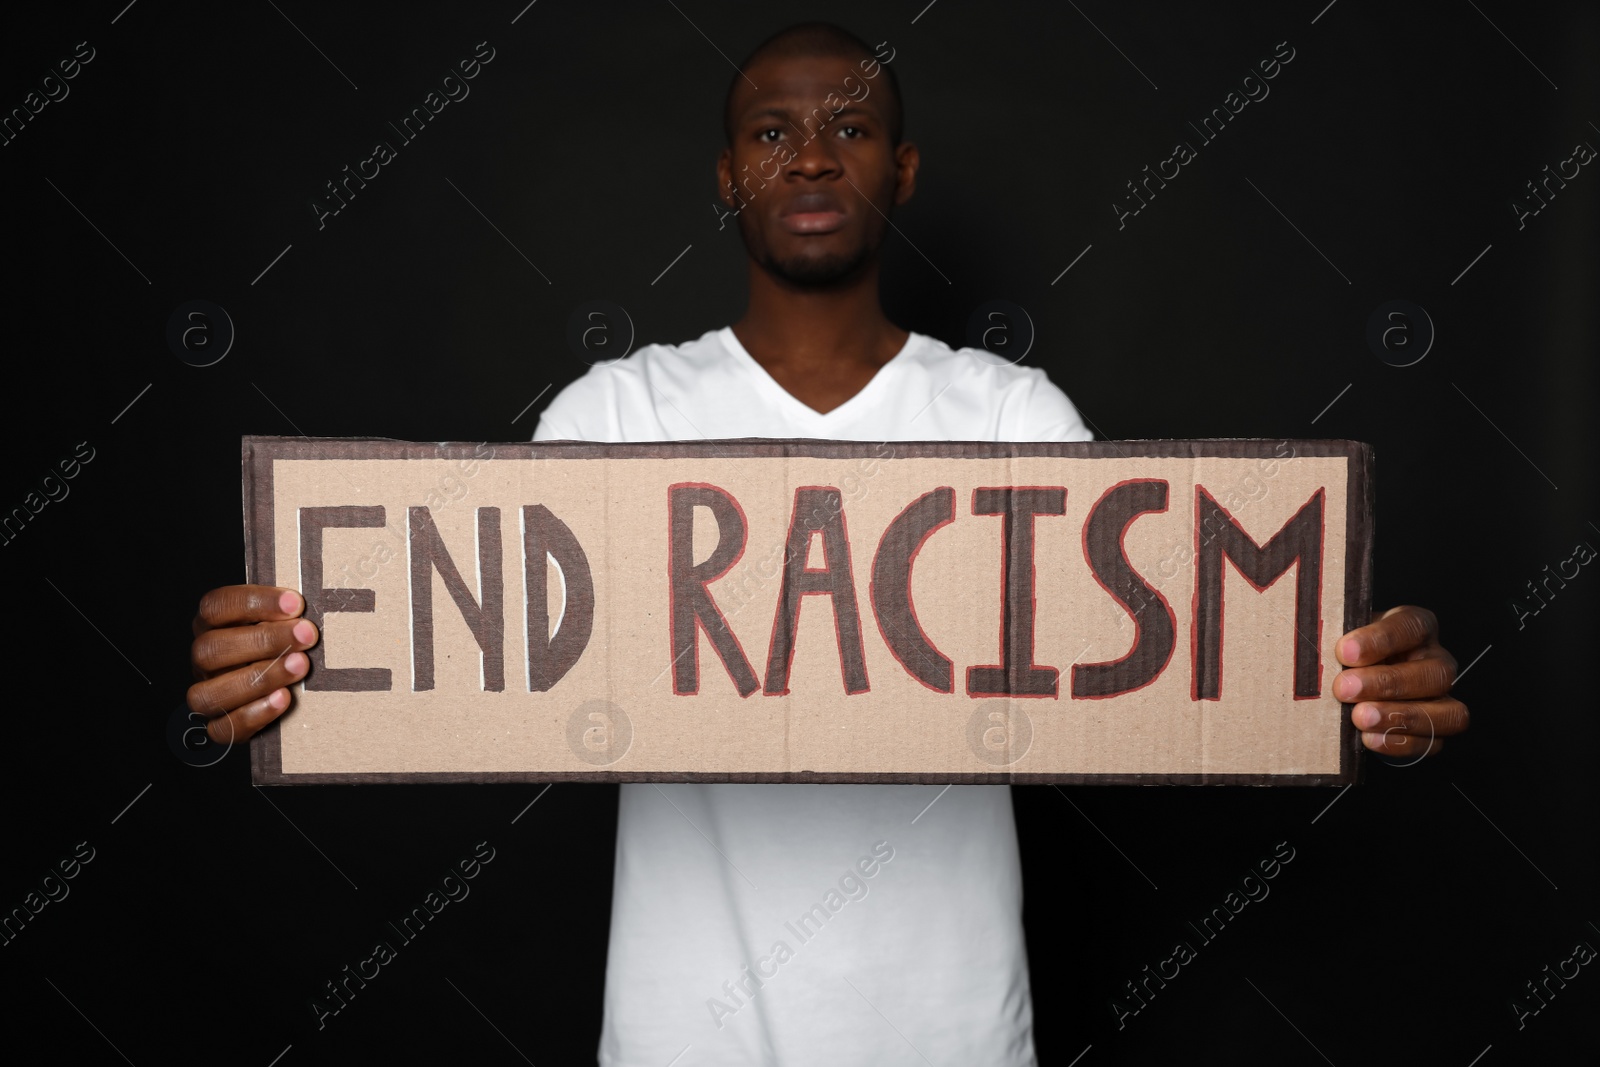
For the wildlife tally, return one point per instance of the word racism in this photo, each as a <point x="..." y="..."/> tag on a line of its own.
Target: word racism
<point x="1569" y="968"/>
<point x="1252" y="89"/>
<point x="52" y="89"/>
<point x="819" y="513"/>
<point x="451" y="887"/>
<point x="783" y="154"/>
<point x="52" y="889"/>
<point x="455" y="89"/>
<point x="53" y="488"/>
<point x="1582" y="154"/>
<point x="1582" y="554"/>
<point x="742" y="991"/>
<point x="1252" y="888"/>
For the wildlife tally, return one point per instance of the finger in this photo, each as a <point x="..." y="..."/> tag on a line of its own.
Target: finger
<point x="1428" y="718"/>
<point x="234" y="605"/>
<point x="1398" y="630"/>
<point x="238" y="687"/>
<point x="235" y="645"/>
<point x="1421" y="679"/>
<point x="1432" y="650"/>
<point x="241" y="724"/>
<point x="1401" y="746"/>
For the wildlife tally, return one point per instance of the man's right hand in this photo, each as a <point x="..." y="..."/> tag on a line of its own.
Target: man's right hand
<point x="249" y="647"/>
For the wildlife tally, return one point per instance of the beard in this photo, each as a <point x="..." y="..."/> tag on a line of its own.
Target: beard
<point x="816" y="272"/>
<point x="809" y="272"/>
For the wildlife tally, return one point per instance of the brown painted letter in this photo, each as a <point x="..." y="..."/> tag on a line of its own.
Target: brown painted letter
<point x="320" y="601"/>
<point x="1153" y="631"/>
<point x="1017" y="674"/>
<point x="692" y="606"/>
<point x="891" y="588"/>
<point x="487" y="620"/>
<point x="1300" y="541"/>
<point x="817" y="509"/>
<point x="551" y="657"/>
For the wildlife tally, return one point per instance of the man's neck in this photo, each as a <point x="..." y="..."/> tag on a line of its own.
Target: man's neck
<point x="821" y="345"/>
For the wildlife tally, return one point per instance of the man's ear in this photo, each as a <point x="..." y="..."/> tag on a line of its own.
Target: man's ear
<point x="906" y="160"/>
<point x="725" y="189"/>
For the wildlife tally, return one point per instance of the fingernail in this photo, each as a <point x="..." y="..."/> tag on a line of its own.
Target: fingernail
<point x="1347" y="687"/>
<point x="289" y="603"/>
<point x="1372" y="740"/>
<point x="1349" y="650"/>
<point x="304" y="632"/>
<point x="296" y="664"/>
<point x="279" y="699"/>
<point x="1366" y="716"/>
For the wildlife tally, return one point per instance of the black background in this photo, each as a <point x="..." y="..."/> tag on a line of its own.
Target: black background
<point x="1416" y="906"/>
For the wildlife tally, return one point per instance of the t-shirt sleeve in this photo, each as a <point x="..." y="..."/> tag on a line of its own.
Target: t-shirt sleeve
<point x="550" y="429"/>
<point x="577" y="413"/>
<point x="1050" y="416"/>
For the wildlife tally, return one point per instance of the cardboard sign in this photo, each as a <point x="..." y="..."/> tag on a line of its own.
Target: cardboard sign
<point x="815" y="611"/>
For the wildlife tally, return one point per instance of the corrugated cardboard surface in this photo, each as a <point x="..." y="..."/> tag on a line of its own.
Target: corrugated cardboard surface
<point x="615" y="714"/>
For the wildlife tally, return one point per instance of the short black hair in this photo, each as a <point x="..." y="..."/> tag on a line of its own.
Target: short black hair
<point x="812" y="40"/>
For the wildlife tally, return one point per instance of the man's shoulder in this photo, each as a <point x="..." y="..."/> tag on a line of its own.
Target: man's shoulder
<point x="1026" y="403"/>
<point x="590" y="405"/>
<point x="977" y="366"/>
<point x="1007" y="381"/>
<point x="646" y="360"/>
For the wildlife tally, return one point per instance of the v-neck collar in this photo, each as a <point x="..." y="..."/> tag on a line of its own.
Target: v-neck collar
<point x="803" y="412"/>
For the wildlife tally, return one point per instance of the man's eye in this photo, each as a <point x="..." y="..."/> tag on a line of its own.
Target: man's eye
<point x="854" y="131"/>
<point x="762" y="136"/>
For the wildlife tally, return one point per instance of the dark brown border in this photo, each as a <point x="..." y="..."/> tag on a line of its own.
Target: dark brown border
<point x="258" y="454"/>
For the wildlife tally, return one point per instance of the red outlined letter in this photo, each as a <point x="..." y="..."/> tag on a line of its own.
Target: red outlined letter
<point x="1017" y="675"/>
<point x="691" y="607"/>
<point x="1154" y="633"/>
<point x="817" y="509"/>
<point x="891" y="588"/>
<point x="1299" y="541"/>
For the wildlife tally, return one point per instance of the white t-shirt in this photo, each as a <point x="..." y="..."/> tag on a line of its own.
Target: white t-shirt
<point x="814" y="924"/>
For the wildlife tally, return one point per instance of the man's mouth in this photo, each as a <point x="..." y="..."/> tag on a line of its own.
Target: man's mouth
<point x="812" y="213"/>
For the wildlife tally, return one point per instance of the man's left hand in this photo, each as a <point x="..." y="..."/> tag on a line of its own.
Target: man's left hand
<point x="1399" y="679"/>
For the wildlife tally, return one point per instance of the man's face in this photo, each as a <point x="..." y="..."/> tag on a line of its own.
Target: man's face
<point x="813" y="167"/>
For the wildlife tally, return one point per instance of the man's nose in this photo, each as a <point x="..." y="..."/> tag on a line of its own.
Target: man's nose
<point x="815" y="157"/>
